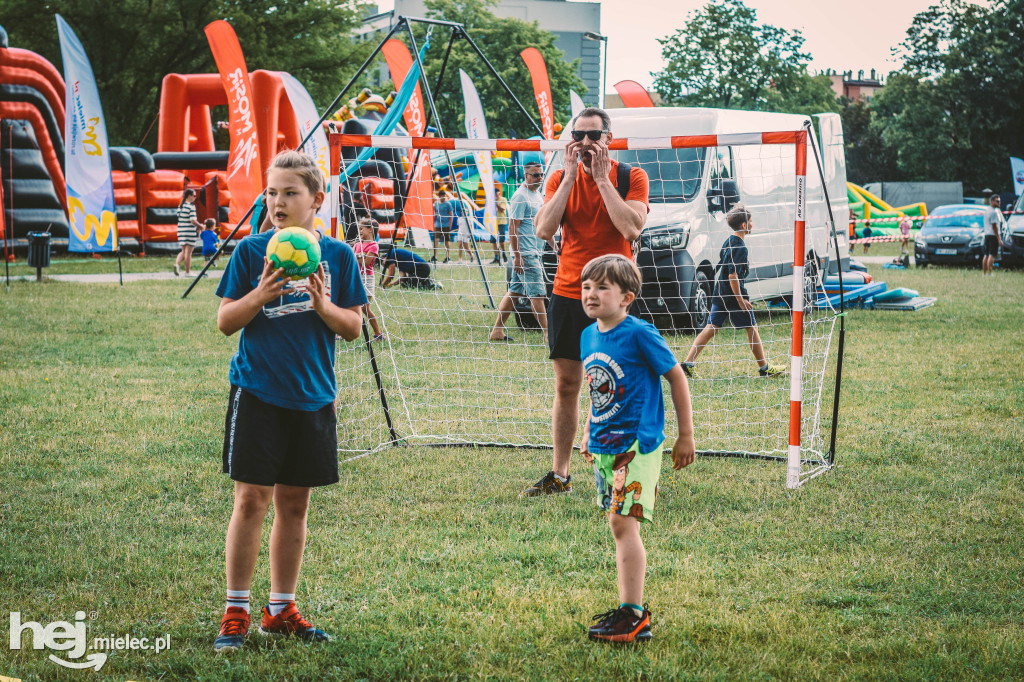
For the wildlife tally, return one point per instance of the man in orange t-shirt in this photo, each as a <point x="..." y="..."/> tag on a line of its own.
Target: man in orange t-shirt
<point x="595" y="221"/>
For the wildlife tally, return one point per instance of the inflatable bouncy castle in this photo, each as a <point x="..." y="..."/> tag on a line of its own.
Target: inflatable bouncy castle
<point x="31" y="144"/>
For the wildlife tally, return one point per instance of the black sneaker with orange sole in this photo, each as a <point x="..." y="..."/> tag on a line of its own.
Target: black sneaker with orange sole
<point x="549" y="485"/>
<point x="621" y="626"/>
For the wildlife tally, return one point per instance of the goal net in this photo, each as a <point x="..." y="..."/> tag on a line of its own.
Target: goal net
<point x="436" y="377"/>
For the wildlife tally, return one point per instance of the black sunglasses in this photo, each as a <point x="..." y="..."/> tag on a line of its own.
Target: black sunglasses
<point x="594" y="135"/>
<point x="534" y="175"/>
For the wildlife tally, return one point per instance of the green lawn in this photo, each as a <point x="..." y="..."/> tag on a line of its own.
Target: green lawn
<point x="904" y="562"/>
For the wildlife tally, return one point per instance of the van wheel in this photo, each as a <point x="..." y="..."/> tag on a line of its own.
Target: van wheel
<point x="700" y="304"/>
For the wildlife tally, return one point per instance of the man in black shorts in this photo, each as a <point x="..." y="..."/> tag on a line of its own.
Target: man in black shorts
<point x="597" y="217"/>
<point x="993" y="238"/>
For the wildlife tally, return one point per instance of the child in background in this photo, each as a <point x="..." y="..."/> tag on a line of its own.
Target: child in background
<point x="625" y="358"/>
<point x="731" y="301"/>
<point x="187" y="226"/>
<point x="367" y="253"/>
<point x="209" y="241"/>
<point x="905" y="224"/>
<point x="280" y="436"/>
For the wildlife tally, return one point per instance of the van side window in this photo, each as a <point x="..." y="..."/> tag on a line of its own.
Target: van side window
<point x="722" y="188"/>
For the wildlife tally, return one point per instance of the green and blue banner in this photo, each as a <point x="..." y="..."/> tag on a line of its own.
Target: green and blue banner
<point x="91" y="211"/>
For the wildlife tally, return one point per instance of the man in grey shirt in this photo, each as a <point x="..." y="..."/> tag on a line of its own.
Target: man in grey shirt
<point x="993" y="238"/>
<point x="527" y="250"/>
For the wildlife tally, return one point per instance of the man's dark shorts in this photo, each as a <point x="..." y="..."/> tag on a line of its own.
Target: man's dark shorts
<point x="566" y="322"/>
<point x="991" y="245"/>
<point x="740" y="318"/>
<point x="265" y="444"/>
<point x="441" y="234"/>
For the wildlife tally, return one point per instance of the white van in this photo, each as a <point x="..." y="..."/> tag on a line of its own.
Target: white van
<point x="692" y="189"/>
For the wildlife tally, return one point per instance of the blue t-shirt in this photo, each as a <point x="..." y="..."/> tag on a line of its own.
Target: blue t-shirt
<point x="286" y="353"/>
<point x="624" y="368"/>
<point x="443" y="213"/>
<point x="524" y="207"/>
<point x="209" y="242"/>
<point x="732" y="258"/>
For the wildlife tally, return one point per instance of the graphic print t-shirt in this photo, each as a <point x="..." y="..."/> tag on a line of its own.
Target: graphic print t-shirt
<point x="286" y="353"/>
<point x="624" y="367"/>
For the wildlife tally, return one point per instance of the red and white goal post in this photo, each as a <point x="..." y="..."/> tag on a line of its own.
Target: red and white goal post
<point x="437" y="379"/>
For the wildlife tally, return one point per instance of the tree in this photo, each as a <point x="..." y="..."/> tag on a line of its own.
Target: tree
<point x="725" y="58"/>
<point x="501" y="41"/>
<point x="133" y="44"/>
<point x="955" y="109"/>
<point x="867" y="157"/>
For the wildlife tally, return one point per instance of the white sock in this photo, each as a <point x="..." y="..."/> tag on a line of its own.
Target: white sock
<point x="764" y="366"/>
<point x="239" y="599"/>
<point x="278" y="601"/>
<point x="563" y="479"/>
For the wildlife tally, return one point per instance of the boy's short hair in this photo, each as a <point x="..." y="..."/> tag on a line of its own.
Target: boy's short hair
<point x="993" y="198"/>
<point x="441" y="193"/>
<point x="210" y="223"/>
<point x="614" y="268"/>
<point x="737" y="217"/>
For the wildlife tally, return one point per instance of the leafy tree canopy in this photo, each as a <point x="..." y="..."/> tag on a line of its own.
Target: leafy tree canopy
<point x="955" y="111"/>
<point x="501" y="41"/>
<point x="725" y="58"/>
<point x="133" y="44"/>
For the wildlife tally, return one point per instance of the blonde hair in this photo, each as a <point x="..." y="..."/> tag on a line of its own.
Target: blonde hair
<point x="616" y="269"/>
<point x="303" y="166"/>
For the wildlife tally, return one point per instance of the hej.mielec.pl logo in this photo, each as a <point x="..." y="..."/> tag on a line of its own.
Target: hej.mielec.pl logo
<point x="71" y="639"/>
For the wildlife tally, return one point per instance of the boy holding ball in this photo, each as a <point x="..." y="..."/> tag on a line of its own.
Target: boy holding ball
<point x="280" y="433"/>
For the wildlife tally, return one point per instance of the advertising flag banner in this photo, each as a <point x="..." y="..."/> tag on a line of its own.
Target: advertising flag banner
<point x="419" y="204"/>
<point x="576" y="104"/>
<point x="541" y="89"/>
<point x="476" y="128"/>
<point x="633" y="94"/>
<point x="91" y="211"/>
<point x="1017" y="167"/>
<point x="316" y="145"/>
<point x="399" y="61"/>
<point x="244" y="166"/>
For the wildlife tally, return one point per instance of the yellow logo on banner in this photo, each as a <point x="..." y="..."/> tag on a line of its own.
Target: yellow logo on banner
<point x="89" y="143"/>
<point x="102" y="226"/>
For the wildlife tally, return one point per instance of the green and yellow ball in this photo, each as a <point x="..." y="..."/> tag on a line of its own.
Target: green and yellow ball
<point x="296" y="250"/>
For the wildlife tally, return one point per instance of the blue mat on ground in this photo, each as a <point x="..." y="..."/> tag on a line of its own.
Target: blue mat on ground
<point x="896" y="293"/>
<point x="908" y="303"/>
<point x="853" y="295"/>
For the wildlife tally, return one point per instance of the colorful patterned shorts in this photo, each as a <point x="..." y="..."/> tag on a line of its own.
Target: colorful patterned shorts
<point x="627" y="483"/>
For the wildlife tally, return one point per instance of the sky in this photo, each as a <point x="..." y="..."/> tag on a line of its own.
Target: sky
<point x="840" y="35"/>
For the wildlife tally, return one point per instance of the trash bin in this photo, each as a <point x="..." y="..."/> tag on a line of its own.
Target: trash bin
<point x="39" y="252"/>
<point x="39" y="249"/>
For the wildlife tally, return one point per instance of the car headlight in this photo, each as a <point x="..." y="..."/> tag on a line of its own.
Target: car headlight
<point x="977" y="241"/>
<point x="672" y="240"/>
<point x="920" y="243"/>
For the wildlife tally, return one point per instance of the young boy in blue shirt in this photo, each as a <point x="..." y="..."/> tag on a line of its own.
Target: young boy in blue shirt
<point x="209" y="238"/>
<point x="625" y="358"/>
<point x="731" y="300"/>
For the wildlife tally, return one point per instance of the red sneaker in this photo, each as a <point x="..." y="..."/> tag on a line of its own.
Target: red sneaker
<point x="233" y="628"/>
<point x="291" y="622"/>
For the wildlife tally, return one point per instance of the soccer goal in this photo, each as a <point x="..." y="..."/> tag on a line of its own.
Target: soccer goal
<point x="436" y="378"/>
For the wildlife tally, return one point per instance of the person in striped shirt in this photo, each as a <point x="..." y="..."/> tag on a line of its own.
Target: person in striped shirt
<point x="188" y="227"/>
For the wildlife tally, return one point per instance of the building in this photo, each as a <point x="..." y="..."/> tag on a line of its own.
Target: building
<point x="571" y="22"/>
<point x="853" y="89"/>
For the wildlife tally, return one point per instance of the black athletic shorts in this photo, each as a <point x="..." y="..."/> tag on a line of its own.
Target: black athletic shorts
<point x="566" y="322"/>
<point x="991" y="245"/>
<point x="265" y="444"/>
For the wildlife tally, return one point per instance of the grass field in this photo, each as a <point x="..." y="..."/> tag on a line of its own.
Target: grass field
<point x="905" y="562"/>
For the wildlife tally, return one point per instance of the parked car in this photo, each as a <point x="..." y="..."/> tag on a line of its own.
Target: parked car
<point x="954" y="234"/>
<point x="1012" y="252"/>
